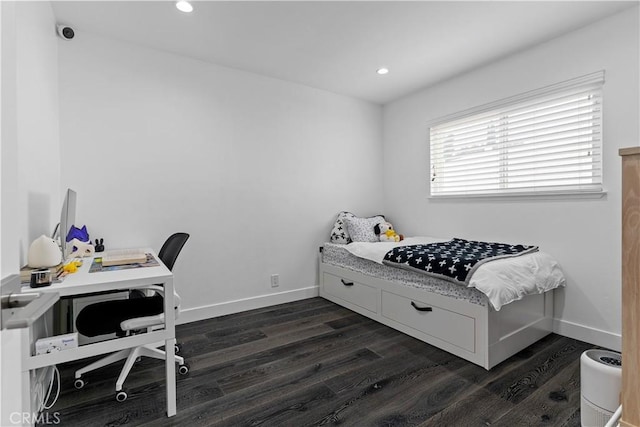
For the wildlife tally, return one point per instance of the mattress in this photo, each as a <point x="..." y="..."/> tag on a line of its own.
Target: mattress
<point x="336" y="254"/>
<point x="497" y="283"/>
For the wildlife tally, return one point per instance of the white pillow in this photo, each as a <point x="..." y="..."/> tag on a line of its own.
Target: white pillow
<point x="339" y="233"/>
<point x="361" y="229"/>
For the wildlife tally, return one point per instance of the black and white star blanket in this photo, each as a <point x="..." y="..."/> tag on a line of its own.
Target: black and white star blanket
<point x="455" y="260"/>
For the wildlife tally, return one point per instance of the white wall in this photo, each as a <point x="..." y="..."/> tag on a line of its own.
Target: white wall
<point x="30" y="153"/>
<point x="38" y="132"/>
<point x="584" y="235"/>
<point x="9" y="255"/>
<point x="254" y="168"/>
<point x="30" y="134"/>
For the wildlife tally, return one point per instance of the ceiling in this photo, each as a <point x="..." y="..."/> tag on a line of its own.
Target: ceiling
<point x="339" y="45"/>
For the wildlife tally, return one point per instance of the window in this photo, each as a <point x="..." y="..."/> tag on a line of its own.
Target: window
<point x="548" y="141"/>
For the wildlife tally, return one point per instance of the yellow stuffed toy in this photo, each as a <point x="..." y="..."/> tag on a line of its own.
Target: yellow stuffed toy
<point x="386" y="233"/>
<point x="72" y="266"/>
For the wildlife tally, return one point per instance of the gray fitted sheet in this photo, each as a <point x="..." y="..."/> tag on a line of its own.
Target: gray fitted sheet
<point x="335" y="254"/>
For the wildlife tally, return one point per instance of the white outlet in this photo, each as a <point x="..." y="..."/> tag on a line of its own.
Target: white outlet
<point x="275" y="280"/>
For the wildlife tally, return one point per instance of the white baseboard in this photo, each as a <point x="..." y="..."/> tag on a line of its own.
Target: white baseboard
<point x="588" y="334"/>
<point x="565" y="328"/>
<point x="237" y="306"/>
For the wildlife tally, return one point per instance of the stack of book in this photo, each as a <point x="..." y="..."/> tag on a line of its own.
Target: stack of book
<point x="123" y="257"/>
<point x="56" y="273"/>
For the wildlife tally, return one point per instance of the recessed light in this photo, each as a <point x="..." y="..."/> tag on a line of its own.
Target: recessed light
<point x="382" y="71"/>
<point x="184" y="6"/>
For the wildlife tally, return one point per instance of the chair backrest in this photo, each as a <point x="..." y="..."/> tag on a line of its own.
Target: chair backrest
<point x="171" y="249"/>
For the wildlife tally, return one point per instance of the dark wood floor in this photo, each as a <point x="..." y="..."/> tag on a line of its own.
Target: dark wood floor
<point x="312" y="362"/>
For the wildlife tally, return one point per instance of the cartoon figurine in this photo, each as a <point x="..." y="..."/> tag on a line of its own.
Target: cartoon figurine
<point x="81" y="249"/>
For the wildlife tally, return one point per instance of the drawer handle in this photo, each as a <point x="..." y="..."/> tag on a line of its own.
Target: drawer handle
<point x="346" y="283"/>
<point x="421" y="308"/>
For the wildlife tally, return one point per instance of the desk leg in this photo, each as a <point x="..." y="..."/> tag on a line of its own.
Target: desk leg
<point x="15" y="407"/>
<point x="169" y="347"/>
<point x="170" y="365"/>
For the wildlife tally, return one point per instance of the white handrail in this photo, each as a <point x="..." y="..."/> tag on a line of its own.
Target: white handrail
<point x="613" y="421"/>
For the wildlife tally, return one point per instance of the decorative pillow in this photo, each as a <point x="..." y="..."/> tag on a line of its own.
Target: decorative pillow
<point x="361" y="229"/>
<point x="339" y="233"/>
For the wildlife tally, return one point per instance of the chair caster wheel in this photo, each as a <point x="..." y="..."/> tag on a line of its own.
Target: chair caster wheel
<point x="78" y="384"/>
<point x="121" y="396"/>
<point x="183" y="369"/>
<point x="177" y="348"/>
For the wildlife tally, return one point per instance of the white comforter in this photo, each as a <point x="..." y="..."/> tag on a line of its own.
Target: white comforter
<point x="502" y="281"/>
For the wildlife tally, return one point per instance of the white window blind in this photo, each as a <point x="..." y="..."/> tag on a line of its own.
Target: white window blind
<point x="545" y="141"/>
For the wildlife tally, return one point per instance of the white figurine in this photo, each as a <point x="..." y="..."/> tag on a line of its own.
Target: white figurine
<point x="82" y="249"/>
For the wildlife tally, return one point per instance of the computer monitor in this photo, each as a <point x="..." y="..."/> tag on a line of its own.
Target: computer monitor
<point x="67" y="219"/>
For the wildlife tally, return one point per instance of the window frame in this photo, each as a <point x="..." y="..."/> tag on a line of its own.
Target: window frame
<point x="594" y="80"/>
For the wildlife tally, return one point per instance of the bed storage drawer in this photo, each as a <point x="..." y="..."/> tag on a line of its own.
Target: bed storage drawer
<point x="362" y="295"/>
<point x="446" y="325"/>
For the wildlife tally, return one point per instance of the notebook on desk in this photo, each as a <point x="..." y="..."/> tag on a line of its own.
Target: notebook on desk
<point x="123" y="257"/>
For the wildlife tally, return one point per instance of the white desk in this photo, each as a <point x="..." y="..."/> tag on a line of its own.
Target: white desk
<point x="82" y="282"/>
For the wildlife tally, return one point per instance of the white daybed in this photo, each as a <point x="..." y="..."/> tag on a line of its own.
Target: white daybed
<point x="455" y="318"/>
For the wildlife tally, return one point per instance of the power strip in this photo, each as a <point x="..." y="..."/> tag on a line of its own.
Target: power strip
<point x="56" y="343"/>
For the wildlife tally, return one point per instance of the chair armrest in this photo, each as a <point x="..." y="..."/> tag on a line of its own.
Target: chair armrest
<point x="142" y="322"/>
<point x="160" y="290"/>
<point x="157" y="288"/>
<point x="148" y="321"/>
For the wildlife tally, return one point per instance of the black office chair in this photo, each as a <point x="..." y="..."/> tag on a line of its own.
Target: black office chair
<point x="124" y="316"/>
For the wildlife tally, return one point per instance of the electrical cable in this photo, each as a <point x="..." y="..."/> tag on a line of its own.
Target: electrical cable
<point x="46" y="329"/>
<point x="56" y="376"/>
